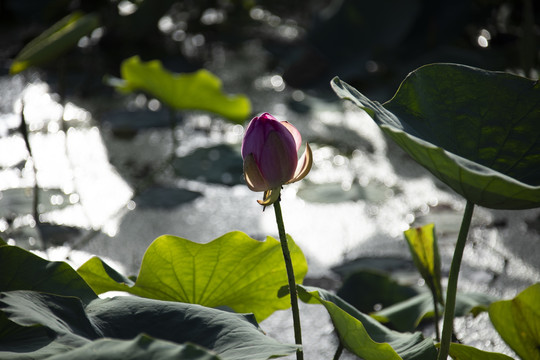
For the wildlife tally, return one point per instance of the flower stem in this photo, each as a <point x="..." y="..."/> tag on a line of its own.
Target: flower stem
<point x="292" y="282"/>
<point x="437" y="315"/>
<point x="451" y="289"/>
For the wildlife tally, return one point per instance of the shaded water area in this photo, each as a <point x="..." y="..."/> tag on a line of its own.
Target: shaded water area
<point x="113" y="175"/>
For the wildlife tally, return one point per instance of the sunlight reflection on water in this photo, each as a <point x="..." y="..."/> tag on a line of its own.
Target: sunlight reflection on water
<point x="76" y="162"/>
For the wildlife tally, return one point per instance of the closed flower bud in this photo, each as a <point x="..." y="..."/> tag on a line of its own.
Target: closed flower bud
<point x="270" y="152"/>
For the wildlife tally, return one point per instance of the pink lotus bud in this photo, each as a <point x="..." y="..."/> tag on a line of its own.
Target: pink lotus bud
<point x="270" y="153"/>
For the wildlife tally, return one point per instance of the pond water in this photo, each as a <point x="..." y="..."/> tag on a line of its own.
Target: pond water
<point x="107" y="189"/>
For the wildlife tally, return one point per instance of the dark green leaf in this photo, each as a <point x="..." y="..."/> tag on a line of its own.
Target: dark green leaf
<point x="365" y="289"/>
<point x="476" y="130"/>
<point x="196" y="91"/>
<point x="140" y="348"/>
<point x="518" y="322"/>
<point x="364" y="336"/>
<point x="56" y="40"/>
<point x="70" y="325"/>
<point x="464" y="352"/>
<point x="22" y="270"/>
<point x="422" y="243"/>
<point x="407" y="315"/>
<point x="233" y="270"/>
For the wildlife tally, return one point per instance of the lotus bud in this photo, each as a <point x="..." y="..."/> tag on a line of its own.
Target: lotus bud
<point x="270" y="152"/>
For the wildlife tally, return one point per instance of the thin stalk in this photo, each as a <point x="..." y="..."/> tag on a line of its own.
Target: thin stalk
<point x="23" y="128"/>
<point x="292" y="282"/>
<point x="339" y="351"/>
<point x="451" y="290"/>
<point x="437" y="316"/>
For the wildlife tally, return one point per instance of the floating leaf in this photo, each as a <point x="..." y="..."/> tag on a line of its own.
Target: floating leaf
<point x="22" y="270"/>
<point x="21" y="201"/>
<point x="422" y="243"/>
<point x="518" y="322"/>
<point x="233" y="270"/>
<point x="334" y="192"/>
<point x="407" y="315"/>
<point x="220" y="164"/>
<point x="70" y="325"/>
<point x="464" y="352"/>
<point x="364" y="336"/>
<point x="476" y="130"/>
<point x="165" y="197"/>
<point x="200" y="90"/>
<point x="53" y="42"/>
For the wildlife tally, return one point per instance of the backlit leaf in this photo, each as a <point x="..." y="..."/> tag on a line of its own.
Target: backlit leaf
<point x="54" y="41"/>
<point x="518" y="322"/>
<point x="422" y="243"/>
<point x="200" y="90"/>
<point x="233" y="270"/>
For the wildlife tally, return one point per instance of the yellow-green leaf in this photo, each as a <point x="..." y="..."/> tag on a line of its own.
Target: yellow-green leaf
<point x="518" y="322"/>
<point x="200" y="90"/>
<point x="422" y="242"/>
<point x="54" y="41"/>
<point x="364" y="336"/>
<point x="232" y="271"/>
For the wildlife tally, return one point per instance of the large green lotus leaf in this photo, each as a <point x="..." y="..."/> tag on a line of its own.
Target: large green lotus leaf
<point x="407" y="315"/>
<point x="478" y="131"/>
<point x="140" y="348"/>
<point x="364" y="336"/>
<point x="464" y="352"/>
<point x="422" y="243"/>
<point x="22" y="270"/>
<point x="518" y="322"/>
<point x="70" y="325"/>
<point x="53" y="42"/>
<point x="233" y="270"/>
<point x="200" y="90"/>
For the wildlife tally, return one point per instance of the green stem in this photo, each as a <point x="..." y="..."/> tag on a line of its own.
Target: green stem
<point x="437" y="315"/>
<point x="292" y="282"/>
<point x="451" y="289"/>
<point x="339" y="351"/>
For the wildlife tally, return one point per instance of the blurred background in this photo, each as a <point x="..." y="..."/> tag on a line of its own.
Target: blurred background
<point x="87" y="170"/>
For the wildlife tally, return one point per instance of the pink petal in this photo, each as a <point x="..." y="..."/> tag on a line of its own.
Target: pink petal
<point x="253" y="176"/>
<point x="294" y="132"/>
<point x="278" y="159"/>
<point x="304" y="165"/>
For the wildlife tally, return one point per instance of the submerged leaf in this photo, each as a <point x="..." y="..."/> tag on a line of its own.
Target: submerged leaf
<point x="200" y="90"/>
<point x="233" y="270"/>
<point x="476" y="130"/>
<point x="364" y="336"/>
